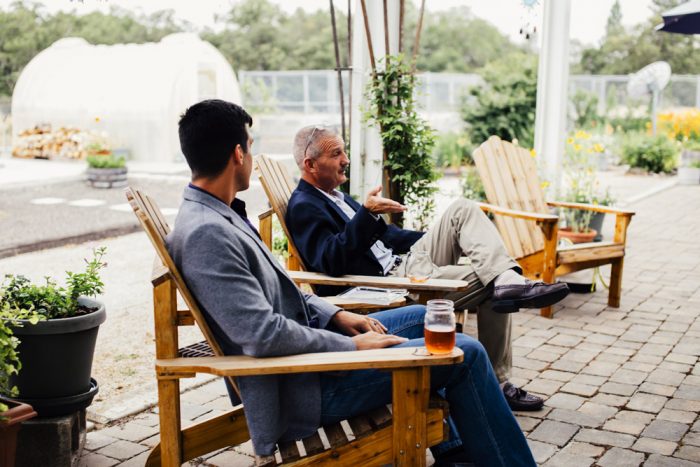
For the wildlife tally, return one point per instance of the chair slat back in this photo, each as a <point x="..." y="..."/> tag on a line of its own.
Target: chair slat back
<point x="157" y="228"/>
<point x="278" y="186"/>
<point x="509" y="175"/>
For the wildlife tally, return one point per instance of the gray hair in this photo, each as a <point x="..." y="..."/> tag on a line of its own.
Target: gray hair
<point x="306" y="142"/>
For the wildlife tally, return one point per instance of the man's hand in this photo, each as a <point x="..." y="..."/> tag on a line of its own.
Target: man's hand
<point x="373" y="340"/>
<point x="353" y="324"/>
<point x="379" y="205"/>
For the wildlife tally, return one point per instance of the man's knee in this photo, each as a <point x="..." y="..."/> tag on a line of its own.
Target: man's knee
<point x="463" y="205"/>
<point x="472" y="348"/>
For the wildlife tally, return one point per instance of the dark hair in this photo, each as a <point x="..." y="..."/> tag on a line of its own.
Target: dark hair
<point x="209" y="132"/>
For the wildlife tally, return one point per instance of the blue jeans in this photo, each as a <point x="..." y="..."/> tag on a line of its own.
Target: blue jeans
<point x="479" y="412"/>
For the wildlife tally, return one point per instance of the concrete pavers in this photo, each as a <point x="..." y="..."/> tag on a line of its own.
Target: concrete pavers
<point x="623" y="385"/>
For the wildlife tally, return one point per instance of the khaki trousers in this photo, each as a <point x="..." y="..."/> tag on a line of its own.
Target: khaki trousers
<point x="464" y="230"/>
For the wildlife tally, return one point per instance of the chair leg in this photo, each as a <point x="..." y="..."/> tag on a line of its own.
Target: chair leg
<point x="615" y="283"/>
<point x="410" y="393"/>
<point x="170" y="433"/>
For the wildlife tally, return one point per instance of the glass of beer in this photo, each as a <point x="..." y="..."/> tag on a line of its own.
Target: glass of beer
<point x="419" y="266"/>
<point x="440" y="326"/>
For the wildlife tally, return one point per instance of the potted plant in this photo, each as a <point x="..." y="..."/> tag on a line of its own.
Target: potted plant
<point x="580" y="166"/>
<point x="689" y="170"/>
<point x="105" y="169"/>
<point x="596" y="223"/>
<point x="12" y="413"/>
<point x="56" y="342"/>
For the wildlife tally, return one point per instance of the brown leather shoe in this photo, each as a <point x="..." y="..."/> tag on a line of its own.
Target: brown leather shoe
<point x="510" y="298"/>
<point x="519" y="399"/>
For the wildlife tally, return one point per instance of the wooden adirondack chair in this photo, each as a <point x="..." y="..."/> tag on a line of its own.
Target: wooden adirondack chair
<point x="529" y="231"/>
<point x="379" y="437"/>
<point x="278" y="186"/>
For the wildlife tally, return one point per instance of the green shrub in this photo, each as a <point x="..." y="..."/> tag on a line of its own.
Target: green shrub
<point x="653" y="153"/>
<point x="453" y="150"/>
<point x="585" y="104"/>
<point x="505" y="104"/>
<point x="472" y="188"/>
<point x="106" y="161"/>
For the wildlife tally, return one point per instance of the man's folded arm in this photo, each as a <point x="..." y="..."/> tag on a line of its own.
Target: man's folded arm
<point x="322" y="247"/>
<point x="217" y="270"/>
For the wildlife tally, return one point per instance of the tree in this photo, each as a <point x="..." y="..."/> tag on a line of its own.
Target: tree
<point x="614" y="25"/>
<point x="629" y="51"/>
<point x="258" y="35"/>
<point x="505" y="104"/>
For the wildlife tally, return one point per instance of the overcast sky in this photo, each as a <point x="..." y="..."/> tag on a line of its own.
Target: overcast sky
<point x="587" y="23"/>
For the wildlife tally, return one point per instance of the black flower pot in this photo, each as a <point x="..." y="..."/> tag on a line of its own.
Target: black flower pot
<point x="56" y="358"/>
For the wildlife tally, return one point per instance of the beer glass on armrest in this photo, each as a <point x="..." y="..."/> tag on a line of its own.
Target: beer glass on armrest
<point x="439" y="326"/>
<point x="419" y="266"/>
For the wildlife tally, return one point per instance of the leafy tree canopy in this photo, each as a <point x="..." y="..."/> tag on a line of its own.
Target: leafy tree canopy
<point x="624" y="51"/>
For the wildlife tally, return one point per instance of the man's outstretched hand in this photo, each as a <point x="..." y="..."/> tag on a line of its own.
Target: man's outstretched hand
<point x="379" y="205"/>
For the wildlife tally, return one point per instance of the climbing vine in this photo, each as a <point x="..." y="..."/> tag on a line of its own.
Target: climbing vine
<point x="407" y="139"/>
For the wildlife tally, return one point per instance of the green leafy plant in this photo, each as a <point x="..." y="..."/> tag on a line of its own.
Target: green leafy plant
<point x="692" y="145"/>
<point x="472" y="187"/>
<point x="407" y="139"/>
<point x="581" y="180"/>
<point x="453" y="150"/>
<point x="505" y="104"/>
<point x="695" y="164"/>
<point x="10" y="364"/>
<point x="107" y="161"/>
<point x="50" y="300"/>
<point x="652" y="153"/>
<point x="585" y="104"/>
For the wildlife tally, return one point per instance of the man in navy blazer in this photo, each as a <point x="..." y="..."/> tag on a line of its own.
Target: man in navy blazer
<point x="337" y="235"/>
<point x="255" y="309"/>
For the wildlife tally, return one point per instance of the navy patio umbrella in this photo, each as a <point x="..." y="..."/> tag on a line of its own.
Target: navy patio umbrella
<point x="683" y="19"/>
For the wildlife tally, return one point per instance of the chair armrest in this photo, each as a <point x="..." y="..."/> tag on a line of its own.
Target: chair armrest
<point x="266" y="214"/>
<point x="394" y="358"/>
<point x="591" y="207"/>
<point x="390" y="282"/>
<point x="530" y="216"/>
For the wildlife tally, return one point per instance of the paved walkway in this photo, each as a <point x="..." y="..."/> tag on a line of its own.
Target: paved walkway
<point x="622" y="385"/>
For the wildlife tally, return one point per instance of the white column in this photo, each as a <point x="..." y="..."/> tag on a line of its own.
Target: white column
<point x="365" y="141"/>
<point x="552" y="89"/>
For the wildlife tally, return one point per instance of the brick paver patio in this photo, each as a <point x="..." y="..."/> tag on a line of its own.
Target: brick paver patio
<point x="622" y="385"/>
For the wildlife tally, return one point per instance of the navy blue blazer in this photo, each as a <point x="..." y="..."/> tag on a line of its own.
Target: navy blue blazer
<point x="331" y="243"/>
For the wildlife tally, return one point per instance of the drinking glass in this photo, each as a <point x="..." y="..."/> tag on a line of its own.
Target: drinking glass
<point x="440" y="332"/>
<point x="419" y="266"/>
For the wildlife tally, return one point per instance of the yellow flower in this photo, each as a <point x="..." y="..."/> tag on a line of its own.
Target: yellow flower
<point x="577" y="147"/>
<point x="544" y="185"/>
<point x="570" y="141"/>
<point x="97" y="119"/>
<point x="580" y="134"/>
<point x="533" y="153"/>
<point x="597" y="147"/>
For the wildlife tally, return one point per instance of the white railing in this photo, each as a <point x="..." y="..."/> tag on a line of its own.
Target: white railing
<point x="316" y="91"/>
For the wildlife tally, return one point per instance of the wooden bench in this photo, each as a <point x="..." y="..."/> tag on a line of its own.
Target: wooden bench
<point x="399" y="435"/>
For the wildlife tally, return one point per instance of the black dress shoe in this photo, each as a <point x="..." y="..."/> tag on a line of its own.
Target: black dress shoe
<point x="519" y="399"/>
<point x="510" y="298"/>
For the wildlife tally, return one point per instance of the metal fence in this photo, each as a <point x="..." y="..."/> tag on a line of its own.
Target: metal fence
<point x="316" y="91"/>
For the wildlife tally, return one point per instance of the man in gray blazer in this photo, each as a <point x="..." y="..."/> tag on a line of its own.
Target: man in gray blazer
<point x="255" y="309"/>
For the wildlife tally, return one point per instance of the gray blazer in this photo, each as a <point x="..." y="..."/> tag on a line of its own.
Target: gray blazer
<point x="254" y="308"/>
